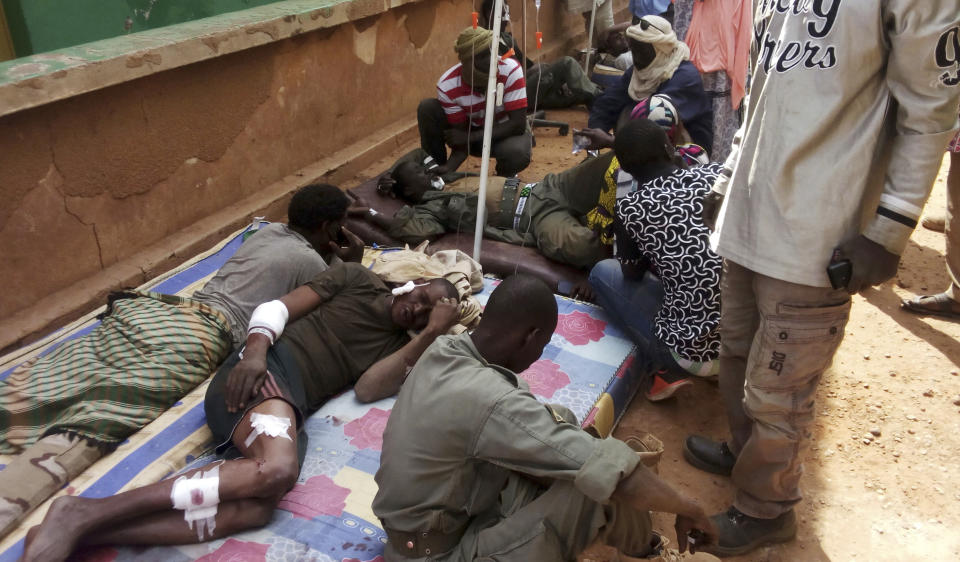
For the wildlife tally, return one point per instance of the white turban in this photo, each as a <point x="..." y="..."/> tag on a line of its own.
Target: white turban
<point x="670" y="52"/>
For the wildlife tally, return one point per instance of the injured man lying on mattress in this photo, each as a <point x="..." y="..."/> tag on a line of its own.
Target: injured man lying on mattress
<point x="64" y="410"/>
<point x="568" y="216"/>
<point x="345" y="327"/>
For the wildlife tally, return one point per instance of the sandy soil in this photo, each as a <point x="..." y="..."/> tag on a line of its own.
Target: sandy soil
<point x="892" y="497"/>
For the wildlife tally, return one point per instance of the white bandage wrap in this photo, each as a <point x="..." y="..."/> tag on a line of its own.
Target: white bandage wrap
<point x="266" y="424"/>
<point x="198" y="496"/>
<point x="407" y="287"/>
<point x="270" y="316"/>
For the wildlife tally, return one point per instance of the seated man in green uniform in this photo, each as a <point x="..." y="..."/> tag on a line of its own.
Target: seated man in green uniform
<point x="503" y="476"/>
<point x="565" y="215"/>
<point x="351" y="329"/>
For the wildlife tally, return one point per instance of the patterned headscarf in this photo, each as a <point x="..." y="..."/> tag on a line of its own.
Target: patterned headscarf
<point x="659" y="109"/>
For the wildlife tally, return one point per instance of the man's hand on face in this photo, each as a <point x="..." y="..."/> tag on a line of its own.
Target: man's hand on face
<point x="872" y="263"/>
<point x="244" y="382"/>
<point x="711" y="208"/>
<point x="353" y="251"/>
<point x="598" y="138"/>
<point x="455" y="137"/>
<point x="443" y="316"/>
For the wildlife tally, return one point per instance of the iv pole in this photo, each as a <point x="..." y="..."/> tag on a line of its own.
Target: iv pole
<point x="488" y="118"/>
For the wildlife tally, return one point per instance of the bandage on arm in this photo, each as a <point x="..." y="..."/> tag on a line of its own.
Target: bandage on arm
<point x="269" y="319"/>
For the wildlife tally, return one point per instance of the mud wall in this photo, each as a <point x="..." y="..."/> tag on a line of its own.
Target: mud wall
<point x="90" y="181"/>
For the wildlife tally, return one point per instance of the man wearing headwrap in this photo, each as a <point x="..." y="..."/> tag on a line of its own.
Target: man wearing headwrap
<point x="455" y="118"/>
<point x="660" y="66"/>
<point x="658" y="108"/>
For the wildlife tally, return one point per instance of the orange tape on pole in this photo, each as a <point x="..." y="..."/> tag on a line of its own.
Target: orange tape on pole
<point x="476" y="19"/>
<point x="539" y="39"/>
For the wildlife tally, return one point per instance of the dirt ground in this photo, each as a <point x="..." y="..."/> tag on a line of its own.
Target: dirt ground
<point x="892" y="497"/>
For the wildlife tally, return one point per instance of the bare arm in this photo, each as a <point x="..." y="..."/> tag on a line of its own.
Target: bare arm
<point x="300" y="301"/>
<point x="380" y="219"/>
<point x="385" y="377"/>
<point x="644" y="490"/>
<point x="458" y="137"/>
<point x="456" y="158"/>
<point x="515" y="124"/>
<point x="247" y="376"/>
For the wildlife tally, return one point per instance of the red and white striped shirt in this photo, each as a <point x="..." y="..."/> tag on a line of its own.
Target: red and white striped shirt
<point x="460" y="100"/>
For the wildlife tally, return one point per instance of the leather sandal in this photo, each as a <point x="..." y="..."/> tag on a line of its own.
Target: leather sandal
<point x="934" y="305"/>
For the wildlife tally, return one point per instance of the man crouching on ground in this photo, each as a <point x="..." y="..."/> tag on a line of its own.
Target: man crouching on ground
<point x="351" y="329"/>
<point x="502" y="475"/>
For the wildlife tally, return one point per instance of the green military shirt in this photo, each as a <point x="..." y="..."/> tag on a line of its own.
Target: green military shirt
<point x="460" y="426"/>
<point x="348" y="332"/>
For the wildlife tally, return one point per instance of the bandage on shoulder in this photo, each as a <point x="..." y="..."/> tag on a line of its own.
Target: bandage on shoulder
<point x="269" y="319"/>
<point x="269" y="425"/>
<point x="198" y="496"/>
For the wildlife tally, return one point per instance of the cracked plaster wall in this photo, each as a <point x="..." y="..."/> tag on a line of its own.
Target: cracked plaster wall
<point x="94" y="179"/>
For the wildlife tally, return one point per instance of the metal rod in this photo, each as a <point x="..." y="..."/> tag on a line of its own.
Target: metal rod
<point x="593" y="18"/>
<point x="488" y="118"/>
<point x="523" y="36"/>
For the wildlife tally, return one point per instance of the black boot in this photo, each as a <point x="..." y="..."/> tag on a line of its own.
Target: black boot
<point x="709" y="455"/>
<point x="738" y="533"/>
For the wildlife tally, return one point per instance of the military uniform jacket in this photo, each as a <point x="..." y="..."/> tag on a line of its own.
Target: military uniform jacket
<point x="460" y="426"/>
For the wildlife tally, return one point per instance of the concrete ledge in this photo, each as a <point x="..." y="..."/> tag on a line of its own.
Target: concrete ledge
<point x="43" y="78"/>
<point x="80" y="298"/>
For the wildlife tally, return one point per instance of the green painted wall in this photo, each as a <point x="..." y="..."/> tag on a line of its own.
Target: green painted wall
<point x="37" y="26"/>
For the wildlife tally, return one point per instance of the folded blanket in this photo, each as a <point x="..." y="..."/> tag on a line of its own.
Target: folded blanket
<point x="148" y="352"/>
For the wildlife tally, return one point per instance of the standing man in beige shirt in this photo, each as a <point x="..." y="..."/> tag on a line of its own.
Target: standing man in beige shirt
<point x="850" y="108"/>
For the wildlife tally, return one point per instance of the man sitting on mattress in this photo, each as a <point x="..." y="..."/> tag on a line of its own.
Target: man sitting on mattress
<point x="345" y="327"/>
<point x="503" y="476"/>
<point x="61" y="412"/>
<point x="562" y="215"/>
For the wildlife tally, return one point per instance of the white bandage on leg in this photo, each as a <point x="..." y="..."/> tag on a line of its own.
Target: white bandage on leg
<point x="266" y="424"/>
<point x="269" y="318"/>
<point x="198" y="497"/>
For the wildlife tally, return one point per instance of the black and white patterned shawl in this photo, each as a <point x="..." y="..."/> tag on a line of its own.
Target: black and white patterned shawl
<point x="663" y="219"/>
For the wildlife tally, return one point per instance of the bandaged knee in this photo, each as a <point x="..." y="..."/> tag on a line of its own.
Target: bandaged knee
<point x="198" y="496"/>
<point x="269" y="425"/>
<point x="269" y="319"/>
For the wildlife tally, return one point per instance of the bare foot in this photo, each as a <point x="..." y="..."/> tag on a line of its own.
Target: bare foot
<point x="31" y="533"/>
<point x="56" y="538"/>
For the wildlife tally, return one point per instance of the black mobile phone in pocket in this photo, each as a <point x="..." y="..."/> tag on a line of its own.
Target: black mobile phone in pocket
<point x="839" y="271"/>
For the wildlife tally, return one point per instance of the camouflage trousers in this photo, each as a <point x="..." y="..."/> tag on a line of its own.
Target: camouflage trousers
<point x="38" y="472"/>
